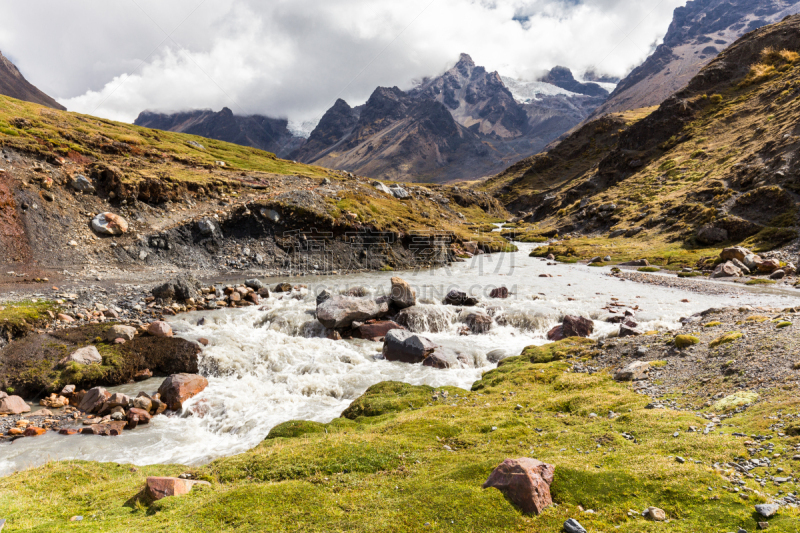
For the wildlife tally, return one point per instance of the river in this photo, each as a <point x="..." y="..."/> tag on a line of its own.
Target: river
<point x="268" y="366"/>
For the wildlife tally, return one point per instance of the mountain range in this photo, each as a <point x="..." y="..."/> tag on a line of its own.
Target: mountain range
<point x="462" y="125"/>
<point x="258" y="131"/>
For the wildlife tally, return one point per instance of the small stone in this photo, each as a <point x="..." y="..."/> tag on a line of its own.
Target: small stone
<point x="767" y="510"/>
<point x="573" y="526"/>
<point x="656" y="514"/>
<point x="159" y="329"/>
<point x="76" y="518"/>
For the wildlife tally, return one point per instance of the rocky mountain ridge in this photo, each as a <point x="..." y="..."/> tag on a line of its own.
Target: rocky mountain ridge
<point x="14" y="84"/>
<point x="714" y="163"/>
<point x="258" y="131"/>
<point x="699" y="31"/>
<point x="464" y="124"/>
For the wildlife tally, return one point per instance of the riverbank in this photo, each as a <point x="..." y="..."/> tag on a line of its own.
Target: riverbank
<point x="427" y="450"/>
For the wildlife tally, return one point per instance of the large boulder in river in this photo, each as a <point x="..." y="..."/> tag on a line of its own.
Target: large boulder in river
<point x="94" y="399"/>
<point x="13" y="405"/>
<point x="109" y="224"/>
<point x="404" y="346"/>
<point x="478" y="321"/>
<point x="456" y="297"/>
<point x="178" y="388"/>
<point x="341" y="311"/>
<point x="402" y="294"/>
<point x="376" y="331"/>
<point x="425" y="318"/>
<point x="572" y="326"/>
<point x="447" y="358"/>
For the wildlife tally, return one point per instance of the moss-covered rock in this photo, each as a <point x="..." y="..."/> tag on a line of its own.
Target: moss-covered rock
<point x="726" y="339"/>
<point x="30" y="365"/>
<point x="684" y="341"/>
<point x="388" y="397"/>
<point x="295" y="428"/>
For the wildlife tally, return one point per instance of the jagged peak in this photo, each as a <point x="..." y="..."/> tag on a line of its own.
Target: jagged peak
<point x="466" y="60"/>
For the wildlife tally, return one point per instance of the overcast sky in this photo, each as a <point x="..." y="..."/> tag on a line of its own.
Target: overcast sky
<point x="293" y="58"/>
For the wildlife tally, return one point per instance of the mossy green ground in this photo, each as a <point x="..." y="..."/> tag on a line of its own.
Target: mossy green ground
<point x="18" y="317"/>
<point x="387" y="469"/>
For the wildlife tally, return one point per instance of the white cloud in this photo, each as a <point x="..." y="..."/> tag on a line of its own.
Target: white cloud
<point x="293" y="58"/>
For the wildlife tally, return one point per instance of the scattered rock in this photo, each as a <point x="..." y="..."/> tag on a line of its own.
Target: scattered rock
<point x="573" y="526"/>
<point x="500" y="292"/>
<point x="119" y="332"/>
<point x="572" y="326"/>
<point x="93" y="399"/>
<point x="376" y="331"/>
<point x="342" y="311"/>
<point x="254" y="284"/>
<point x="13" y="405"/>
<point x="726" y="270"/>
<point x="736" y="252"/>
<point x="478" y="321"/>
<point x="629" y="328"/>
<point x="162" y="487"/>
<point x="109" y="224"/>
<point x="635" y="371"/>
<point x="159" y="329"/>
<point x="283" y="287"/>
<point x="525" y="482"/>
<point x="403" y="295"/>
<point x="655" y="514"/>
<point x="768" y="266"/>
<point x="767" y="510"/>
<point x="636" y="263"/>
<point x="33" y="431"/>
<point x="82" y="184"/>
<point x="178" y="388"/>
<point x="87" y="355"/>
<point x="404" y="346"/>
<point x="456" y="297"/>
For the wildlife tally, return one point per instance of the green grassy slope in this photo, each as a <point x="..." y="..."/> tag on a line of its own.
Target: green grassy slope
<point x="387" y="467"/>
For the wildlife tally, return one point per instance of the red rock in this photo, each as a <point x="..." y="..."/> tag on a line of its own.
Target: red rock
<point x="13" y="405"/>
<point x="108" y="429"/>
<point x="576" y="326"/>
<point x="93" y="400"/>
<point x="203" y="341"/>
<point x="525" y="482"/>
<point x="33" y="431"/>
<point x="159" y="329"/>
<point x="65" y="318"/>
<point x="132" y="421"/>
<point x="254" y="297"/>
<point x="178" y="388"/>
<point x="769" y="265"/>
<point x="162" y="487"/>
<point x="499" y="292"/>
<point x="68" y="432"/>
<point x="376" y="331"/>
<point x="120" y="341"/>
<point x="556" y="334"/>
<point x="144" y="416"/>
